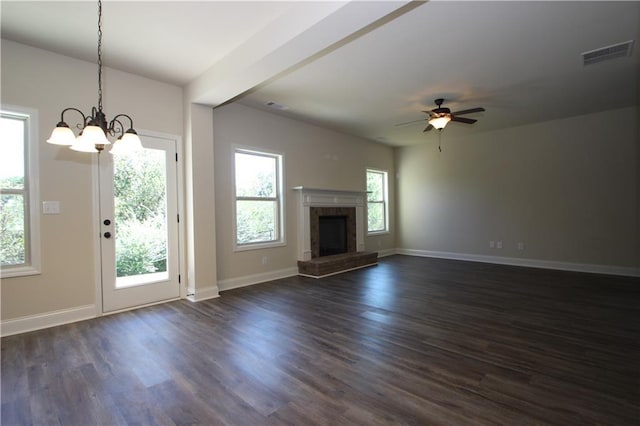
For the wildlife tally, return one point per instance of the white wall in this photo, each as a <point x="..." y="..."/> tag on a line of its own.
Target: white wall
<point x="200" y="202"/>
<point x="313" y="156"/>
<point x="49" y="82"/>
<point x="568" y="189"/>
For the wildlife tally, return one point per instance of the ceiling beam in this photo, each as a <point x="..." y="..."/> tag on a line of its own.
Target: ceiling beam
<point x="289" y="42"/>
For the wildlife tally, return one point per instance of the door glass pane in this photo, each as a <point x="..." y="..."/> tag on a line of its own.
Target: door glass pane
<point x="140" y="197"/>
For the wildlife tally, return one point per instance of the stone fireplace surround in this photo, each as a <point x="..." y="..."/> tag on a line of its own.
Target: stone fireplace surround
<point x="312" y="203"/>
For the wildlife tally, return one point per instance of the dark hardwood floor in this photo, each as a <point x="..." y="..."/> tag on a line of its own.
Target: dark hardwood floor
<point x="411" y="341"/>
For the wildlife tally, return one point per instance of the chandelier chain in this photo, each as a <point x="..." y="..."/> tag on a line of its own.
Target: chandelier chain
<point x="99" y="55"/>
<point x="95" y="127"/>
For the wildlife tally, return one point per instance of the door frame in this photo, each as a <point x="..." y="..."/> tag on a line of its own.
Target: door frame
<point x="182" y="258"/>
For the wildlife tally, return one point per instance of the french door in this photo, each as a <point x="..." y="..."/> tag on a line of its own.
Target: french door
<point x="139" y="225"/>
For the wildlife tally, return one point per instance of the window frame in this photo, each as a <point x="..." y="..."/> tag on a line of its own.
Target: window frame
<point x="30" y="192"/>
<point x="384" y="201"/>
<point x="279" y="199"/>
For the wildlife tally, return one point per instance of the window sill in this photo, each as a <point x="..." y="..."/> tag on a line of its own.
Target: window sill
<point x="19" y="271"/>
<point x="259" y="246"/>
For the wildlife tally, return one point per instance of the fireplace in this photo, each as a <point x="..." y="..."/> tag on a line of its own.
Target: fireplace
<point x="331" y="231"/>
<point x="333" y="235"/>
<point x="332" y="238"/>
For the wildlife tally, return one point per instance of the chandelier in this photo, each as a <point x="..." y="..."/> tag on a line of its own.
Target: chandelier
<point x="95" y="127"/>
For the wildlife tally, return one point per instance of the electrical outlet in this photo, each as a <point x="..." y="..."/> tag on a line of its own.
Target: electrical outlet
<point x="264" y="260"/>
<point x="499" y="244"/>
<point x="492" y="244"/>
<point x="520" y="245"/>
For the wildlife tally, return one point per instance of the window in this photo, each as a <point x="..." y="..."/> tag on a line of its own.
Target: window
<point x="19" y="214"/>
<point x="377" y="203"/>
<point x="258" y="199"/>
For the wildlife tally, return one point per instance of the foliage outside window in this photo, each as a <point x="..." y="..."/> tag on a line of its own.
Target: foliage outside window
<point x="19" y="221"/>
<point x="141" y="213"/>
<point x="258" y="199"/>
<point x="377" y="203"/>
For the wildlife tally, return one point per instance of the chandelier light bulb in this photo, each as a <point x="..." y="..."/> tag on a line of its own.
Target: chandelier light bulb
<point x="127" y="144"/>
<point x="62" y="135"/>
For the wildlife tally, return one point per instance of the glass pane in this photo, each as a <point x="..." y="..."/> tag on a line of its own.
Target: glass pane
<point x="255" y="175"/>
<point x="375" y="220"/>
<point x="375" y="186"/>
<point x="12" y="153"/>
<point x="12" y="230"/>
<point x="256" y="221"/>
<point x="140" y="214"/>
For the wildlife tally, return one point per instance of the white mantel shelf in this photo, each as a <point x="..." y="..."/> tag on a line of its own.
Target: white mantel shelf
<point x="319" y="197"/>
<point x="321" y="190"/>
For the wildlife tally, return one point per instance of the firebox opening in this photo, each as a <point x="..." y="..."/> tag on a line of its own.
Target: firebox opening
<point x="333" y="235"/>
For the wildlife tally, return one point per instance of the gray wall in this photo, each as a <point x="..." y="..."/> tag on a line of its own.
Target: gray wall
<point x="313" y="157"/>
<point x="568" y="189"/>
<point x="49" y="83"/>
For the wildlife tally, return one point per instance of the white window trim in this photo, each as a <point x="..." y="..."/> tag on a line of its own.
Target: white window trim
<point x="281" y="226"/>
<point x="33" y="267"/>
<point x="386" y="202"/>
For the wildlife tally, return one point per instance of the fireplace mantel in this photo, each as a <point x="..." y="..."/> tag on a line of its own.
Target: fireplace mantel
<point x="316" y="197"/>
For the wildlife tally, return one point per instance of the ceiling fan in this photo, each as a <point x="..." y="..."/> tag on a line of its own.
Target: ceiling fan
<point x="440" y="116"/>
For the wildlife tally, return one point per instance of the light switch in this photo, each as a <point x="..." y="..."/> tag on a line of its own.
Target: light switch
<point x="51" y="207"/>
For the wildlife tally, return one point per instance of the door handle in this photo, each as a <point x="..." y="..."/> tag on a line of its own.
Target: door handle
<point x="107" y="234"/>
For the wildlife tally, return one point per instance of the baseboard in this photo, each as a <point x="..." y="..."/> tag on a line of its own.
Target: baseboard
<point x="386" y="252"/>
<point x="200" y="294"/>
<point x="247" y="280"/>
<point x="46" y="320"/>
<point x="530" y="263"/>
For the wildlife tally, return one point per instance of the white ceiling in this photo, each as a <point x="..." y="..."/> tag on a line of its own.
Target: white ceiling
<point x="359" y="67"/>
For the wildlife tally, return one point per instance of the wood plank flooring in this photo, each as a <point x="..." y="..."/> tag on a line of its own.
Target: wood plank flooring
<point x="411" y="341"/>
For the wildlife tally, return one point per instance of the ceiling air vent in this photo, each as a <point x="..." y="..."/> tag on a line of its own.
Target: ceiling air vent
<point x="619" y="50"/>
<point x="275" y="105"/>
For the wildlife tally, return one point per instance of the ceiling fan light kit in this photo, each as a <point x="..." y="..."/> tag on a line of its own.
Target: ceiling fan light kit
<point x="95" y="128"/>
<point x="439" y="117"/>
<point x="439" y="123"/>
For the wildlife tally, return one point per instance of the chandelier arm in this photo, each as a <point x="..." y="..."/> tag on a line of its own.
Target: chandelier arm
<point x="84" y="118"/>
<point x="123" y="115"/>
<point x="116" y="127"/>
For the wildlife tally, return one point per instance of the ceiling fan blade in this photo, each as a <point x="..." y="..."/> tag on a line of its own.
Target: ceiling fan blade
<point x="429" y="127"/>
<point x="468" y="111"/>
<point x="463" y="120"/>
<point x="406" y="123"/>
